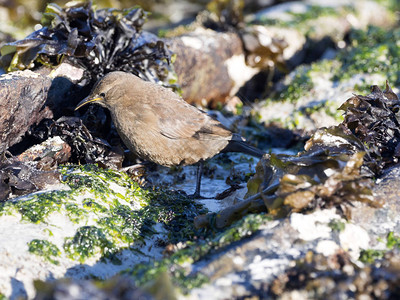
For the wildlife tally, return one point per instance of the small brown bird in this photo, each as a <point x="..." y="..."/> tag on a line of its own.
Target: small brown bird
<point x="159" y="126"/>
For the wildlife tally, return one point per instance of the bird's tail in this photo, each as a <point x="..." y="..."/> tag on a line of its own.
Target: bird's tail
<point x="243" y="147"/>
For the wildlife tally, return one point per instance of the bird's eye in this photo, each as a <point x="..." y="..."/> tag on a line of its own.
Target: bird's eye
<point x="102" y="95"/>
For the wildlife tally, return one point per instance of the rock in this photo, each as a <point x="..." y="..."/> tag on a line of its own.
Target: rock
<point x="22" y="98"/>
<point x="96" y="223"/>
<point x="380" y="221"/>
<point x="226" y="61"/>
<point x="48" y="155"/>
<point x="28" y="97"/>
<point x="68" y="87"/>
<point x="120" y="287"/>
<point x="33" y="170"/>
<point x="206" y="58"/>
<point x="309" y="95"/>
<point x="249" y="267"/>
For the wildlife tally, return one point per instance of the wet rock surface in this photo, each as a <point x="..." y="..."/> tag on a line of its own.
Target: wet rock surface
<point x="251" y="266"/>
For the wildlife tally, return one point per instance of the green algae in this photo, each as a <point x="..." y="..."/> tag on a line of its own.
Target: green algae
<point x="117" y="222"/>
<point x="75" y="213"/>
<point x="91" y="205"/>
<point x="300" y="87"/>
<point x="97" y="181"/>
<point x="45" y="249"/>
<point x="176" y="265"/>
<point x="88" y="241"/>
<point x="299" y="84"/>
<point x="300" y="20"/>
<point x="302" y="82"/>
<point x="337" y="225"/>
<point x="176" y="212"/>
<point x="375" y="50"/>
<point x="392" y="240"/>
<point x="312" y="23"/>
<point x="328" y="107"/>
<point x="392" y="5"/>
<point x="126" y="224"/>
<point x="125" y="217"/>
<point x="370" y="255"/>
<point x="120" y="212"/>
<point x="36" y="208"/>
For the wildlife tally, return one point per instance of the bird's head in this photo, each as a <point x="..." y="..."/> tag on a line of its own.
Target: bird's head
<point x="107" y="90"/>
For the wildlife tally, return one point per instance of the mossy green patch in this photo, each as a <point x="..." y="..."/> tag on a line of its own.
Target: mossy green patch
<point x="129" y="225"/>
<point x="91" y="205"/>
<point x="119" y="212"/>
<point x="375" y="50"/>
<point x="392" y="240"/>
<point x="392" y="5"/>
<point x="37" y="207"/>
<point x="75" y="213"/>
<point x="97" y="181"/>
<point x="370" y="255"/>
<point x="300" y="20"/>
<point x="45" y="249"/>
<point x="87" y="241"/>
<point x="124" y="218"/>
<point x="337" y="225"/>
<point x="176" y="212"/>
<point x="195" y="250"/>
<point x="106" y="225"/>
<point x="300" y="84"/>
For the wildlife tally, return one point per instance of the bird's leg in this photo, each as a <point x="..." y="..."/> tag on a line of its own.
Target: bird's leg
<point x="198" y="180"/>
<point x="199" y="173"/>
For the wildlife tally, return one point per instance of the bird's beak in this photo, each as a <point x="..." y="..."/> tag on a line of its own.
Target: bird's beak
<point x="87" y="100"/>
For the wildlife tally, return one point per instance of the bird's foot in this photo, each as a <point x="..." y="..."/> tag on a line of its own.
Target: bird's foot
<point x="198" y="196"/>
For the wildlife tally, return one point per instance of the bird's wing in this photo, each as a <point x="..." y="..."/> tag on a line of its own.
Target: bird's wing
<point x="191" y="123"/>
<point x="179" y="120"/>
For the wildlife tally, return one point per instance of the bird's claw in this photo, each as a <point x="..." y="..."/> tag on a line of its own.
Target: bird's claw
<point x="198" y="196"/>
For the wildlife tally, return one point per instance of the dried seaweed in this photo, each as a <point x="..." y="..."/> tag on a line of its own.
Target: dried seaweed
<point x="336" y="168"/>
<point x="84" y="147"/>
<point x="261" y="48"/>
<point x="223" y="14"/>
<point x="338" y="163"/>
<point x="99" y="40"/>
<point x="323" y="180"/>
<point x="374" y="119"/>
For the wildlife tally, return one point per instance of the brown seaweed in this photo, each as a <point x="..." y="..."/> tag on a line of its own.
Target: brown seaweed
<point x="100" y="41"/>
<point x="374" y="119"/>
<point x="337" y="167"/>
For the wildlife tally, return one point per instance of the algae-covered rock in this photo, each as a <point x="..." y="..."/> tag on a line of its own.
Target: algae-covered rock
<point x="96" y="223"/>
<point x="308" y="98"/>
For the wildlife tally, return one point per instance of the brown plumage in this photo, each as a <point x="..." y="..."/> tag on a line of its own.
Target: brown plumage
<point x="159" y="126"/>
